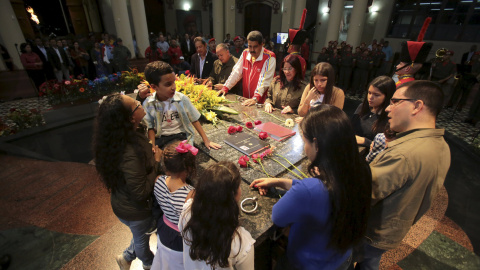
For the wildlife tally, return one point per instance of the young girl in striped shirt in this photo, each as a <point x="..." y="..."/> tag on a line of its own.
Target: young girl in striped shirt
<point x="171" y="191"/>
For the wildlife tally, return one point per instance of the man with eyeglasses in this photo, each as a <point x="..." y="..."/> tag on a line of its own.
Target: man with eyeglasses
<point x="408" y="174"/>
<point x="255" y="68"/>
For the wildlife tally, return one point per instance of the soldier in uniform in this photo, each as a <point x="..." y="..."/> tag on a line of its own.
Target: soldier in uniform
<point x="377" y="58"/>
<point x="335" y="62"/>
<point x="323" y="56"/>
<point x="442" y="72"/>
<point x="297" y="38"/>
<point x="412" y="56"/>
<point x="363" y="66"/>
<point x="346" y="66"/>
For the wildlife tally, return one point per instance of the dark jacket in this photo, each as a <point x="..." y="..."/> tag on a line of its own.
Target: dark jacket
<point x="133" y="200"/>
<point x="207" y="67"/>
<point x="187" y="53"/>
<point x="55" y="60"/>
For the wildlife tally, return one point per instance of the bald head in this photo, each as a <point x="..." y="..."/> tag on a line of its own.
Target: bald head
<point x="223" y="53"/>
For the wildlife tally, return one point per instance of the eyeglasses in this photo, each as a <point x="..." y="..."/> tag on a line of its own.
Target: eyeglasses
<point x="394" y="101"/>
<point x="138" y="105"/>
<point x="287" y="69"/>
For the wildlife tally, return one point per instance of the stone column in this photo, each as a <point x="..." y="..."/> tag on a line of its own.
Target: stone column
<point x="218" y="21"/>
<point x="299" y="6"/>
<point x="320" y="30"/>
<point x="229" y="21"/>
<point x="140" y="26"/>
<point x="106" y="9"/>
<point x="92" y="11"/>
<point x="10" y="32"/>
<point x="122" y="24"/>
<point x="287" y="15"/>
<point x="334" y="19"/>
<point x="357" y="22"/>
<point x="383" y="17"/>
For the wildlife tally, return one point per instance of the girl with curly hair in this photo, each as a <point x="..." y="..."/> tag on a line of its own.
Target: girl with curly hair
<point x="171" y="191"/>
<point x="128" y="168"/>
<point x="212" y="237"/>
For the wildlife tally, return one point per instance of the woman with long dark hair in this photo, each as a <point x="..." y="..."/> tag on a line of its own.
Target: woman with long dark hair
<point x="321" y="89"/>
<point x="212" y="236"/>
<point x="327" y="213"/>
<point x="285" y="90"/>
<point x="370" y="118"/>
<point x="128" y="168"/>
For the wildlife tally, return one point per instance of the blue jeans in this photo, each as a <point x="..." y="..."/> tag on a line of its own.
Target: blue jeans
<point x="139" y="246"/>
<point x="372" y="256"/>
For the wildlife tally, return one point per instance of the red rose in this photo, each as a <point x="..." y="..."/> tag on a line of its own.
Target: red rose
<point x="256" y="158"/>
<point x="263" y="135"/>
<point x="232" y="130"/>
<point x="239" y="128"/>
<point x="258" y="122"/>
<point x="243" y="161"/>
<point x="249" y="125"/>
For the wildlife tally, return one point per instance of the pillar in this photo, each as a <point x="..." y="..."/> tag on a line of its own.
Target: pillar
<point x="140" y="26"/>
<point x="299" y="6"/>
<point x="334" y="19"/>
<point x="171" y="19"/>
<point x="320" y="30"/>
<point x="11" y="32"/>
<point x="107" y="15"/>
<point x="357" y="23"/>
<point x="122" y="24"/>
<point x="383" y="17"/>
<point x="287" y="15"/>
<point x="93" y="15"/>
<point x="230" y="13"/>
<point x="218" y="21"/>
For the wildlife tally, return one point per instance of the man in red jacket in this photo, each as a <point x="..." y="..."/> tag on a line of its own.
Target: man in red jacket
<point x="256" y="66"/>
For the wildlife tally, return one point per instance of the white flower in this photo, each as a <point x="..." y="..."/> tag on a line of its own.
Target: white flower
<point x="289" y="122"/>
<point x="101" y="100"/>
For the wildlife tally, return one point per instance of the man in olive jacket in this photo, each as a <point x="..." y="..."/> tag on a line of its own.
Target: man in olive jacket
<point x="409" y="172"/>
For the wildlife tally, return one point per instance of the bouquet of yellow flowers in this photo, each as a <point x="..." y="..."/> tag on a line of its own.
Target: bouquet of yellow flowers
<point x="204" y="99"/>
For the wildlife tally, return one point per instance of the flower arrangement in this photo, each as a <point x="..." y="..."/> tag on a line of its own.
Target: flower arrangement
<point x="80" y="88"/>
<point x="20" y="119"/>
<point x="204" y="99"/>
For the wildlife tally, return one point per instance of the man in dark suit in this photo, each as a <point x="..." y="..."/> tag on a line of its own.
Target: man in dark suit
<point x="466" y="80"/>
<point x="59" y="60"/>
<point x="188" y="48"/>
<point x="202" y="61"/>
<point x="42" y="52"/>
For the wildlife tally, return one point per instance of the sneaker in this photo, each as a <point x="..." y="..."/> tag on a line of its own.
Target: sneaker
<point x="122" y="263"/>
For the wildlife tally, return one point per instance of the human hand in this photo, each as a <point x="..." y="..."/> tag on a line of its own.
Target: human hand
<point x="312" y="94"/>
<point x="213" y="145"/>
<point x="287" y="109"/>
<point x="209" y="84"/>
<point x="218" y="86"/>
<point x="157" y="153"/>
<point x="269" y="108"/>
<point x="360" y="140"/>
<point x="249" y="102"/>
<point x="263" y="184"/>
<point x="143" y="91"/>
<point x="221" y="93"/>
<point x="298" y="119"/>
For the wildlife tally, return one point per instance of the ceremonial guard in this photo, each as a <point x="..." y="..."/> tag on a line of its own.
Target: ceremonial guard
<point x="443" y="71"/>
<point x="412" y="56"/>
<point x="363" y="65"/>
<point x="323" y="56"/>
<point x="297" y="38"/>
<point x="346" y="66"/>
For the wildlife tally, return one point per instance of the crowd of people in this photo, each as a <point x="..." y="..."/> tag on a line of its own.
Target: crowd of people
<point x="61" y="58"/>
<point x="366" y="200"/>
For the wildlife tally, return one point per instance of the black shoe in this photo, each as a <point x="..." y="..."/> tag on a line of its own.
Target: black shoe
<point x="469" y="121"/>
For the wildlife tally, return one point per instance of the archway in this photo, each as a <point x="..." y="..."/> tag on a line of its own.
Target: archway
<point x="258" y="17"/>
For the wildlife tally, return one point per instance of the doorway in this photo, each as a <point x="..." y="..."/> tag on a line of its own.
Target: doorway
<point x="258" y="17"/>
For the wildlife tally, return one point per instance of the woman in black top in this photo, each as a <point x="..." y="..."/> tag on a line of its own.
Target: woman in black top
<point x="370" y="117"/>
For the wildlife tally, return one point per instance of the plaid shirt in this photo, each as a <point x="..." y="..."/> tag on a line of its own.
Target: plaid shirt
<point x="378" y="145"/>
<point x="154" y="114"/>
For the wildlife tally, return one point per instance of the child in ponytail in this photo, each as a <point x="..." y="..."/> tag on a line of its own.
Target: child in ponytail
<point x="171" y="191"/>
